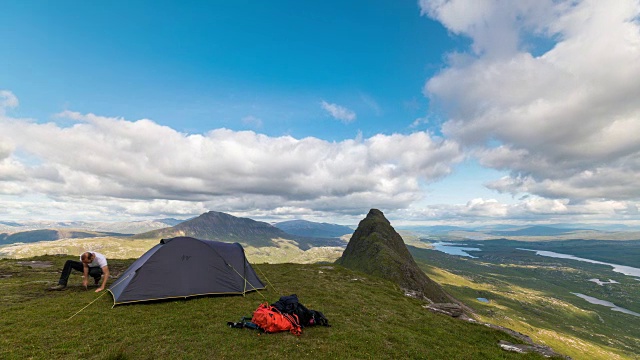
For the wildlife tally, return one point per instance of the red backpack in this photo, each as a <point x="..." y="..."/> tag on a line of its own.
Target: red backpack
<point x="269" y="319"/>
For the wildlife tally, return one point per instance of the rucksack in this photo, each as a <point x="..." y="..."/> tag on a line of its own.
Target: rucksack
<point x="290" y="305"/>
<point x="271" y="320"/>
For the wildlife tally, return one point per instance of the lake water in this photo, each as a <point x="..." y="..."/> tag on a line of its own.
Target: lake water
<point x="626" y="270"/>
<point x="454" y="249"/>
<point x="608" y="304"/>
<point x="600" y="282"/>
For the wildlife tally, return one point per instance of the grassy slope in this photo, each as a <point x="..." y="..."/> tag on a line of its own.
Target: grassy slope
<point x="532" y="294"/>
<point x="125" y="248"/>
<point x="371" y="320"/>
<point x="112" y="247"/>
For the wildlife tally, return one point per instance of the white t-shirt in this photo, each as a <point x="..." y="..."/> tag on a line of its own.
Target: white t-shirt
<point x="99" y="260"/>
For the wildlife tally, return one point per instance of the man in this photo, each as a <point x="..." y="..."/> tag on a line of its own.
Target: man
<point x="91" y="264"/>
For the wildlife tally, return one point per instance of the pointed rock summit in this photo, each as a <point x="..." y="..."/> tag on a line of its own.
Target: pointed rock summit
<point x="377" y="249"/>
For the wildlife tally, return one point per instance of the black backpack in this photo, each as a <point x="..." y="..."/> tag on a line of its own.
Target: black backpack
<point x="291" y="305"/>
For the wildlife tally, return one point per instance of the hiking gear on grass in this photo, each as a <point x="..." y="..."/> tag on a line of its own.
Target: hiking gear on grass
<point x="57" y="287"/>
<point x="243" y="323"/>
<point x="182" y="267"/>
<point x="291" y="305"/>
<point x="270" y="320"/>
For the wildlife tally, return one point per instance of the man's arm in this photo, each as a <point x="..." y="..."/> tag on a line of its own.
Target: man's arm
<point x="105" y="276"/>
<point x="85" y="275"/>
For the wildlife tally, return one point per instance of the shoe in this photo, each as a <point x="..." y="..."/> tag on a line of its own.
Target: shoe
<point x="97" y="281"/>
<point x="57" y="287"/>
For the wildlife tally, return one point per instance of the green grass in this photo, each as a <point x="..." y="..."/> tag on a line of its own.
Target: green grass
<point x="370" y="318"/>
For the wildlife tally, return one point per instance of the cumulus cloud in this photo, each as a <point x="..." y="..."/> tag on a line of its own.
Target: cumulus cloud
<point x="142" y="167"/>
<point x="530" y="209"/>
<point x="565" y="122"/>
<point x="338" y="112"/>
<point x="495" y="26"/>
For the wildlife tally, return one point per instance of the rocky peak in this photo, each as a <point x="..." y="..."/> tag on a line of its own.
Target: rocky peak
<point x="377" y="249"/>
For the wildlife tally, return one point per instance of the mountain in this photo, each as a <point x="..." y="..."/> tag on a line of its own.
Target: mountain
<point x="133" y="227"/>
<point x="434" y="229"/>
<point x="535" y="231"/>
<point x="313" y="229"/>
<point x="220" y="226"/>
<point x="377" y="249"/>
<point x="121" y="227"/>
<point x="49" y="235"/>
<point x="169" y="221"/>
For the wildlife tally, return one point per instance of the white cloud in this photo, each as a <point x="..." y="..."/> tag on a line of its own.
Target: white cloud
<point x="338" y="112"/>
<point x="252" y="122"/>
<point x="7" y="100"/>
<point x="484" y="208"/>
<point x="531" y="209"/>
<point x="419" y="121"/>
<point x="138" y="167"/>
<point x="494" y="25"/>
<point x="564" y="123"/>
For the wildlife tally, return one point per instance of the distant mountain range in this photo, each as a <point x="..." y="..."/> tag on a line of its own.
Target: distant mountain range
<point x="565" y="231"/>
<point x="122" y="227"/>
<point x="224" y="227"/>
<point x="313" y="229"/>
<point x="220" y="226"/>
<point x="211" y="225"/>
<point x="49" y="235"/>
<point x="535" y="231"/>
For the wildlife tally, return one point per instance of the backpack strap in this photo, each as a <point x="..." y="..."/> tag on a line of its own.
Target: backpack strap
<point x="296" y="329"/>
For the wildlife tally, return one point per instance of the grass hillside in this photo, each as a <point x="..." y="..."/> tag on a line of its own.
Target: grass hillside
<point x="124" y="248"/>
<point x="370" y="318"/>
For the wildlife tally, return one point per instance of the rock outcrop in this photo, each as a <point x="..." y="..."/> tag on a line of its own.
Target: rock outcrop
<point x="377" y="249"/>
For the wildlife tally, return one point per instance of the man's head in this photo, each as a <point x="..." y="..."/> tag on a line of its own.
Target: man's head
<point x="87" y="257"/>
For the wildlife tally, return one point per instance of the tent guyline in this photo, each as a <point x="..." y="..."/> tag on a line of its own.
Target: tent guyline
<point x="94" y="300"/>
<point x="269" y="282"/>
<point x="245" y="281"/>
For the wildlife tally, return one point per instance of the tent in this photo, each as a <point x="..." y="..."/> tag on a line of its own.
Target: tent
<point x="182" y="267"/>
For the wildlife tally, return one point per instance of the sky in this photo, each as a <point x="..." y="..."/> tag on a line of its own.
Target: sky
<point x="433" y="111"/>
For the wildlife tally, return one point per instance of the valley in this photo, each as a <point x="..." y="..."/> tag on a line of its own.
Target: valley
<point x="538" y="295"/>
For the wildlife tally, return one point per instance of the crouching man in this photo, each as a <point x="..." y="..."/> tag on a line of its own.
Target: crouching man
<point x="91" y="264"/>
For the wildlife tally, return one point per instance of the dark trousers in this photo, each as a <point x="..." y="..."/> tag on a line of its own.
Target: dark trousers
<point x="95" y="272"/>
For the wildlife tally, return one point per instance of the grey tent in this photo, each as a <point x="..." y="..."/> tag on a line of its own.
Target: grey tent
<point x="182" y="267"/>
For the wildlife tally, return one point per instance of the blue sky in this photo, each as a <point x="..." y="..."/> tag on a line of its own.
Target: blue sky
<point x="204" y="65"/>
<point x="433" y="111"/>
